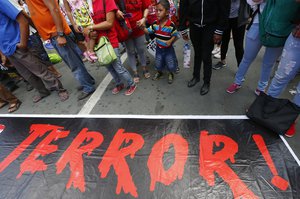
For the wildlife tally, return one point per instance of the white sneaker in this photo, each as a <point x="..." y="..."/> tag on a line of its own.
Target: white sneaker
<point x="216" y="50"/>
<point x="217" y="56"/>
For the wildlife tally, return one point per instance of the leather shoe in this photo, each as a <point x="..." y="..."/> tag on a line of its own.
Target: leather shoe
<point x="193" y="82"/>
<point x="204" y="89"/>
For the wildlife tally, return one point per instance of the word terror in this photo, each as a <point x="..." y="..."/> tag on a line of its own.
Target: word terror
<point x="210" y="162"/>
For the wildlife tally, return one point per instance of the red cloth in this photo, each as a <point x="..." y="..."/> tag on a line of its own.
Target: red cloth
<point x="100" y="16"/>
<point x="136" y="8"/>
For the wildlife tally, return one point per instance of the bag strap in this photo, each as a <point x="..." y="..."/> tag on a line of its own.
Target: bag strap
<point x="257" y="11"/>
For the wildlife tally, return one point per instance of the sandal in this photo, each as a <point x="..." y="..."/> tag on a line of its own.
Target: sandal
<point x="146" y="74"/>
<point x="2" y="104"/>
<point x="136" y="78"/>
<point x="15" y="106"/>
<point x="38" y="98"/>
<point x="63" y="95"/>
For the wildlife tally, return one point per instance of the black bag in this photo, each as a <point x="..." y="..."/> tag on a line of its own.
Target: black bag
<point x="272" y="113"/>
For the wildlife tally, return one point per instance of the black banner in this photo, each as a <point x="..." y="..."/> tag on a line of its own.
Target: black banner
<point x="143" y="158"/>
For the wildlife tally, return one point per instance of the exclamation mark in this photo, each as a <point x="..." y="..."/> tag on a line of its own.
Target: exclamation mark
<point x="276" y="180"/>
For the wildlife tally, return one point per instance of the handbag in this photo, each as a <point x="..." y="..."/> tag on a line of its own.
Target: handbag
<point x="123" y="29"/>
<point x="105" y="52"/>
<point x="272" y="113"/>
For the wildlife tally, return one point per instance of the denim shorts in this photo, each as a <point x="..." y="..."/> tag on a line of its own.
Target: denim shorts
<point x="166" y="58"/>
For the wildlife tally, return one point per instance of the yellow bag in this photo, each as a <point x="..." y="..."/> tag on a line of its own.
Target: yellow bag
<point x="105" y="52"/>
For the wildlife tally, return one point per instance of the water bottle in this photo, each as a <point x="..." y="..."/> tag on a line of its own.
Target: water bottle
<point x="186" y="55"/>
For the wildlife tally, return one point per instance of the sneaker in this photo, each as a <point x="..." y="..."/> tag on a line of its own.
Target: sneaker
<point x="117" y="89"/>
<point x="170" y="78"/>
<point x="83" y="95"/>
<point x="130" y="90"/>
<point x="177" y="70"/>
<point x="233" y="88"/>
<point x="158" y="75"/>
<point x="292" y="130"/>
<point x="217" y="56"/>
<point x="219" y="65"/>
<point x="216" y="50"/>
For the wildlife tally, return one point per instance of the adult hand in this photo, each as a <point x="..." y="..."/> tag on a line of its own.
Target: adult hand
<point x="142" y="22"/>
<point x="76" y="28"/>
<point x="3" y="60"/>
<point x="22" y="46"/>
<point x="119" y="15"/>
<point x="61" y="41"/>
<point x="217" y="38"/>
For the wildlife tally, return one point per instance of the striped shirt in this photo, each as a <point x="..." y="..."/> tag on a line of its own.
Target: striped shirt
<point x="163" y="33"/>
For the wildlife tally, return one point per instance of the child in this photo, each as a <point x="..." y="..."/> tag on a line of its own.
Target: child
<point x="166" y="34"/>
<point x="80" y="14"/>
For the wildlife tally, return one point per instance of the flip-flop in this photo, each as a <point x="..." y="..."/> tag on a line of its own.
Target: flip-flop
<point x="146" y="74"/>
<point x="3" y="104"/>
<point x="15" y="106"/>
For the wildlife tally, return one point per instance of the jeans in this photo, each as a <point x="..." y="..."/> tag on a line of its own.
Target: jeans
<point x="287" y="69"/>
<point x="252" y="47"/>
<point x="136" y="45"/>
<point x="165" y="57"/>
<point x="202" y="40"/>
<point x="118" y="71"/>
<point x="71" y="57"/>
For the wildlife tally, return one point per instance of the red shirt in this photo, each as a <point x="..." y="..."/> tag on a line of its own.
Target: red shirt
<point x="100" y="16"/>
<point x="136" y="8"/>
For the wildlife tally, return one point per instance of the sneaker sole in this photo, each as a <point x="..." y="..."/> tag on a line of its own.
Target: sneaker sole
<point x="231" y="92"/>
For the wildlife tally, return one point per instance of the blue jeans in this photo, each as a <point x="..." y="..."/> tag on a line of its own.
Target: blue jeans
<point x="118" y="71"/>
<point x="165" y="57"/>
<point x="136" y="45"/>
<point x="287" y="69"/>
<point x="73" y="60"/>
<point x="252" y="47"/>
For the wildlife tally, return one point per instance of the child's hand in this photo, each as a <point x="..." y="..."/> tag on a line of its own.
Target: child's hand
<point x="169" y="42"/>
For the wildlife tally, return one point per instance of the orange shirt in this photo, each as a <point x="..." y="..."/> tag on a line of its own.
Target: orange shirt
<point x="43" y="20"/>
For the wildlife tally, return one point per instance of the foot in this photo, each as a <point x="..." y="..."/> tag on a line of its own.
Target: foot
<point x="158" y="75"/>
<point x="193" y="82"/>
<point x="146" y="74"/>
<point x="117" y="89"/>
<point x="233" y="88"/>
<point x="63" y="95"/>
<point x="204" y="89"/>
<point x="84" y="95"/>
<point x="291" y="131"/>
<point x="177" y="70"/>
<point x="38" y="98"/>
<point x="219" y="65"/>
<point x="136" y="78"/>
<point x="14" y="106"/>
<point x="130" y="90"/>
<point x="170" y="78"/>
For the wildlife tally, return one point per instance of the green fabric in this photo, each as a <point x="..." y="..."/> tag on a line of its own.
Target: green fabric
<point x="54" y="58"/>
<point x="276" y="21"/>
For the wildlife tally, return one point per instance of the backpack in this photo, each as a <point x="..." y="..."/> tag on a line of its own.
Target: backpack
<point x="276" y="21"/>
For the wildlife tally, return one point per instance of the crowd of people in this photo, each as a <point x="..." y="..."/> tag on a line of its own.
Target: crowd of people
<point x="74" y="27"/>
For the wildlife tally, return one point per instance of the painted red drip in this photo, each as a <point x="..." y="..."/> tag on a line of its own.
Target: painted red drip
<point x="155" y="161"/>
<point x="115" y="157"/>
<point x="211" y="162"/>
<point x="73" y="156"/>
<point x="31" y="163"/>
<point x="276" y="180"/>
<point x="2" y="127"/>
<point x="36" y="130"/>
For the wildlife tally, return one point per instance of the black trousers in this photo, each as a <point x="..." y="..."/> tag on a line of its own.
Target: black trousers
<point x="238" y="34"/>
<point x="202" y="40"/>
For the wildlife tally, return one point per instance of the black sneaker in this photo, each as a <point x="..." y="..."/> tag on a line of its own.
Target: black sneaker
<point x="170" y="78"/>
<point x="219" y="65"/>
<point x="158" y="75"/>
